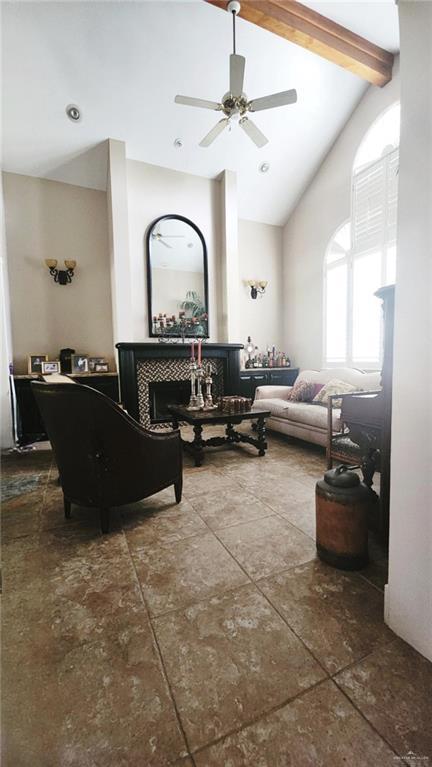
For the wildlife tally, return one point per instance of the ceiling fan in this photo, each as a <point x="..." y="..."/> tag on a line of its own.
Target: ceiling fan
<point x="235" y="101"/>
<point x="159" y="237"/>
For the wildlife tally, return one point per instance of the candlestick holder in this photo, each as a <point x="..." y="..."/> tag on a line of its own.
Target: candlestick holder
<point x="199" y="394"/>
<point x="193" y="401"/>
<point x="208" y="399"/>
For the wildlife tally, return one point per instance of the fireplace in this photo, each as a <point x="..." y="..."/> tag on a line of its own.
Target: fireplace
<point x="154" y="375"/>
<point x="165" y="393"/>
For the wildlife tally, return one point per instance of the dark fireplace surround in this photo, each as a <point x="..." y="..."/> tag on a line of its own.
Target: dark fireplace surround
<point x="155" y="375"/>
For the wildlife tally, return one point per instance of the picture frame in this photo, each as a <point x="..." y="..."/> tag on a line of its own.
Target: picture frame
<point x="79" y="363"/>
<point x="51" y="366"/>
<point x="35" y="363"/>
<point x="101" y="367"/>
<point x="93" y="361"/>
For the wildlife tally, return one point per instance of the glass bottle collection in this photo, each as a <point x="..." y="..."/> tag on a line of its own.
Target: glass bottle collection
<point x="269" y="359"/>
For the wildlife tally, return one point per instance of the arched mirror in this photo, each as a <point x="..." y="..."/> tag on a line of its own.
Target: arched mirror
<point x="177" y="280"/>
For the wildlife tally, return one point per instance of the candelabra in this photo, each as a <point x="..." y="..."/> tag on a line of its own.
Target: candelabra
<point x="208" y="380"/>
<point x="199" y="394"/>
<point x="194" y="403"/>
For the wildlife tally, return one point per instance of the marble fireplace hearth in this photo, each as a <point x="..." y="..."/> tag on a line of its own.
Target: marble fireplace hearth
<point x="153" y="375"/>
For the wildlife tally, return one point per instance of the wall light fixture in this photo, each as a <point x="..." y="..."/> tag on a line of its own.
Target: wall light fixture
<point x="257" y="286"/>
<point x="62" y="276"/>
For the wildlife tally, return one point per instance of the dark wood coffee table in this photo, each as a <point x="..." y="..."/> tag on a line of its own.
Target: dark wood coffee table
<point x="200" y="418"/>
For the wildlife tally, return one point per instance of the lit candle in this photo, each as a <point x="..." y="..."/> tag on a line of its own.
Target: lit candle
<point x="193" y="350"/>
<point x="199" y="353"/>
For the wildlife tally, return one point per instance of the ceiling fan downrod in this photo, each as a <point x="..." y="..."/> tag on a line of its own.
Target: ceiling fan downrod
<point x="234" y="7"/>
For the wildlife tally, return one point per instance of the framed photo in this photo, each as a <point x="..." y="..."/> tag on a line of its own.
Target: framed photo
<point x="79" y="363"/>
<point x="93" y="361"/>
<point x="35" y="362"/>
<point x="101" y="367"/>
<point x="51" y="367"/>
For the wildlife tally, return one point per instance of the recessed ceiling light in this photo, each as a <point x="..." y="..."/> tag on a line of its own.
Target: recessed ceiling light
<point x="73" y="113"/>
<point x="178" y="143"/>
<point x="264" y="167"/>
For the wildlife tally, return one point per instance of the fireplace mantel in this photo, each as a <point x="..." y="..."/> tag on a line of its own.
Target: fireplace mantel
<point x="141" y="363"/>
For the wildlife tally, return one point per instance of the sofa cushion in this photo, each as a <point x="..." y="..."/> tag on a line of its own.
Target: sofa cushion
<point x="334" y="387"/>
<point x="275" y="405"/>
<point x="356" y="377"/>
<point x="302" y="391"/>
<point x="311" y="415"/>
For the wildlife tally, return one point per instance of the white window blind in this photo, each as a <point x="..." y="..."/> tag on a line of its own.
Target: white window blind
<point x="374" y="204"/>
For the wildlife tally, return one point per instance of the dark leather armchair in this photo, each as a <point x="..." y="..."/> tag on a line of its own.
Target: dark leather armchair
<point x="104" y="457"/>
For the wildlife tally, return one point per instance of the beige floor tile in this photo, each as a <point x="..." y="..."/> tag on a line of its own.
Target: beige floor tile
<point x="177" y="574"/>
<point x="301" y="514"/>
<point x="318" y="729"/>
<point x="204" y="481"/>
<point x="393" y="689"/>
<point x="218" y="654"/>
<point x="267" y="545"/>
<point x="47" y="617"/>
<point x="338" y="616"/>
<point x="226" y="508"/>
<point x="158" y="521"/>
<point x="66" y="551"/>
<point x="104" y="703"/>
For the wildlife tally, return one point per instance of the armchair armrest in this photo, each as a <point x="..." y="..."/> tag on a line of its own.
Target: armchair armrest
<point x="272" y="392"/>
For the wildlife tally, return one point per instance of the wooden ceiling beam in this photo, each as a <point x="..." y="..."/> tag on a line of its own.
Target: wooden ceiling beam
<point x="303" y="26"/>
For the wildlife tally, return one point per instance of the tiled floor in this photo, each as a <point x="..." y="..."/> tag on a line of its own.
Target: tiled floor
<point x="205" y="634"/>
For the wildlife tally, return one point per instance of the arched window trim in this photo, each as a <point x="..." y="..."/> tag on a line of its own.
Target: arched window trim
<point x="350" y="259"/>
<point x="371" y="128"/>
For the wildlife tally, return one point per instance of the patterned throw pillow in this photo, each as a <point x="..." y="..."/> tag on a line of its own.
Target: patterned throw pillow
<point x="302" y="391"/>
<point x="334" y="386"/>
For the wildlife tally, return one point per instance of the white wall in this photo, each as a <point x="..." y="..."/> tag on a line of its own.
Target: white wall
<point x="409" y="590"/>
<point x="152" y="192"/>
<point x="49" y="219"/>
<point x="323" y="207"/>
<point x="6" y="439"/>
<point x="118" y="239"/>
<point x="260" y="257"/>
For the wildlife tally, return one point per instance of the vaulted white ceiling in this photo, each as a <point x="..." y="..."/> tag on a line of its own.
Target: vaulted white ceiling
<point x="123" y="63"/>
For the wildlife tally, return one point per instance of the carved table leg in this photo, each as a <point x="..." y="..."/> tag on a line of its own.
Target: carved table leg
<point x="262" y="444"/>
<point x="229" y="431"/>
<point x="197" y="445"/>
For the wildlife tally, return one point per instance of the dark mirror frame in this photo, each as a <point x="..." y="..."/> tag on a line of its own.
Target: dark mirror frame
<point x="149" y="276"/>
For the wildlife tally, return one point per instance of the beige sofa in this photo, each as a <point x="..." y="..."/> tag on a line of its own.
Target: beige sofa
<point x="307" y="420"/>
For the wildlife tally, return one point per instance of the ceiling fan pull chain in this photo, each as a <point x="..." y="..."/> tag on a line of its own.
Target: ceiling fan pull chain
<point x="234" y="35"/>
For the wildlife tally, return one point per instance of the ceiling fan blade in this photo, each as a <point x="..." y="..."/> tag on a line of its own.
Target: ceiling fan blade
<point x="275" y="100"/>
<point x="253" y="132"/>
<point x="191" y="102"/>
<point x="214" y="133"/>
<point x="237" y="68"/>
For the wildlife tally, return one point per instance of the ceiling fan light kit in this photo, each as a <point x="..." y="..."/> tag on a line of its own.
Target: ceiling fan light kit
<point x="235" y="103"/>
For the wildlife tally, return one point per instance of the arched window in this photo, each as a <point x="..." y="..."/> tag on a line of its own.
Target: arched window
<point x="361" y="255"/>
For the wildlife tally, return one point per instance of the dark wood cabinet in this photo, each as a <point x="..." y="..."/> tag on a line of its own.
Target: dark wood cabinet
<point x="251" y="379"/>
<point x="29" y="422"/>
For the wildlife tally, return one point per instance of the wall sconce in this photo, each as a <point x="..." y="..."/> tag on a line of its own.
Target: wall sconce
<point x="62" y="276"/>
<point x="257" y="286"/>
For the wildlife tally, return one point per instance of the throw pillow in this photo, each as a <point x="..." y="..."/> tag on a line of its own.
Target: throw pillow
<point x="334" y="386"/>
<point x="302" y="391"/>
